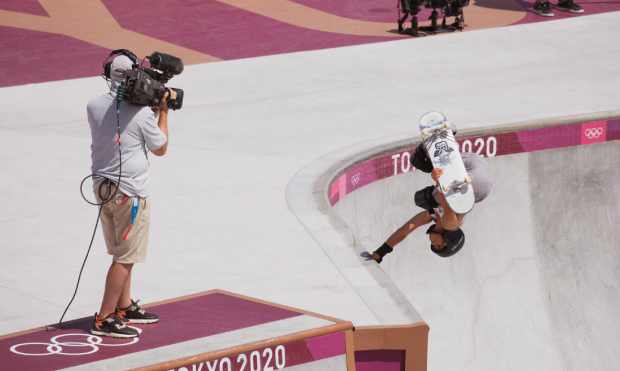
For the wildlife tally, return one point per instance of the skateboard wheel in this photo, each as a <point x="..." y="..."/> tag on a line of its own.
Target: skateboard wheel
<point x="446" y="124"/>
<point x="425" y="133"/>
<point x="467" y="180"/>
<point x="445" y="188"/>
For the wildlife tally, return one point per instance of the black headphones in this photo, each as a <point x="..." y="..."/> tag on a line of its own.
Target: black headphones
<point x="108" y="65"/>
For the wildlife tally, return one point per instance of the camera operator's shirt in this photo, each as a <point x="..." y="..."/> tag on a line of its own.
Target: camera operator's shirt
<point x="139" y="131"/>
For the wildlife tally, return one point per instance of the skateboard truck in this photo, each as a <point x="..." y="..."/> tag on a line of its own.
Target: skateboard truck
<point x="456" y="185"/>
<point x="436" y="130"/>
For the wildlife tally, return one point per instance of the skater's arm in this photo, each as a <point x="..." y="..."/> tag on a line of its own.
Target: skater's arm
<point x="450" y="220"/>
<point x="401" y="233"/>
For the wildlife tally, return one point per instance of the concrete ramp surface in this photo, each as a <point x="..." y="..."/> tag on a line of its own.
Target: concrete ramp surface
<point x="536" y="284"/>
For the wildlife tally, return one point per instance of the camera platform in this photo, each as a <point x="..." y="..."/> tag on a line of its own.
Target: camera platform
<point x="213" y="330"/>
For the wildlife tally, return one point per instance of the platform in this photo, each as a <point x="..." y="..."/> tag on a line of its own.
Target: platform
<point x="202" y="329"/>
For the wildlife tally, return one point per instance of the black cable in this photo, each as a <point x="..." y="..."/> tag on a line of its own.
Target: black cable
<point x="83" y="264"/>
<point x="104" y="199"/>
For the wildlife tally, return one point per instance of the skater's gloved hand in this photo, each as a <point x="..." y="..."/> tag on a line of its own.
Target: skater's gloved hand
<point x="435" y="174"/>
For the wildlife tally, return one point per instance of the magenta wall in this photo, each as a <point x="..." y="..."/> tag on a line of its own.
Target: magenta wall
<point x="487" y="146"/>
<point x="380" y="360"/>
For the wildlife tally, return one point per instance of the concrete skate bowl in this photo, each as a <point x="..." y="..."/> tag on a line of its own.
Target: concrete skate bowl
<point x="536" y="286"/>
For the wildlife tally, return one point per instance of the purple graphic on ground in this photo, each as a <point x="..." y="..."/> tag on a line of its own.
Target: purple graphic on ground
<point x="180" y="321"/>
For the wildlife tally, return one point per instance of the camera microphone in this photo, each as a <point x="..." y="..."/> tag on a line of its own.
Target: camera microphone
<point x="166" y="63"/>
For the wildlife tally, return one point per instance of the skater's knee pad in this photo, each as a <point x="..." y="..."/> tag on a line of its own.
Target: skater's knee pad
<point x="420" y="160"/>
<point x="424" y="198"/>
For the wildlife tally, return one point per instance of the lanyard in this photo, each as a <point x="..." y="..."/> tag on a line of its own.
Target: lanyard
<point x="134" y="212"/>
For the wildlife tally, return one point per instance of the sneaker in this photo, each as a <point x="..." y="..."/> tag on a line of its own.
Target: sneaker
<point x="135" y="314"/>
<point x="569" y="6"/>
<point x="112" y="326"/>
<point x="542" y="8"/>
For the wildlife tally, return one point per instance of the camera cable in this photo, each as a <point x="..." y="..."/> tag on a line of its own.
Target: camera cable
<point x="107" y="197"/>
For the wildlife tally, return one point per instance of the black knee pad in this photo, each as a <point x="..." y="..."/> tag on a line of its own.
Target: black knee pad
<point x="420" y="160"/>
<point x="424" y="198"/>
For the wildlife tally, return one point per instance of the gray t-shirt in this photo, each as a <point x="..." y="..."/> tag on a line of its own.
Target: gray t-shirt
<point x="139" y="131"/>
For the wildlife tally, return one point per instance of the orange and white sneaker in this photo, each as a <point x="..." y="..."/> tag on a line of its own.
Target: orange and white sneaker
<point x="112" y="326"/>
<point x="135" y="314"/>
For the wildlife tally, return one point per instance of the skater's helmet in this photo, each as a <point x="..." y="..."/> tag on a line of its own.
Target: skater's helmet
<point x="454" y="242"/>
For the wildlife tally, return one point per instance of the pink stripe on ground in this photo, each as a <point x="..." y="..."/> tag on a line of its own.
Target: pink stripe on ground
<point x="179" y="321"/>
<point x="327" y="346"/>
<point x="23" y="6"/>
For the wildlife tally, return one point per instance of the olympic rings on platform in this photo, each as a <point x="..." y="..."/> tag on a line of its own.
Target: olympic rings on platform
<point x="56" y="346"/>
<point x="593" y="133"/>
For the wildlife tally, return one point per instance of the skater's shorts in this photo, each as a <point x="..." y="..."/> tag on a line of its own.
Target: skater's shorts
<point x="477" y="166"/>
<point x="125" y="241"/>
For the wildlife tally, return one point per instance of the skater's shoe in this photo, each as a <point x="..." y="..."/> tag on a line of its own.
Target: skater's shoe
<point x="135" y="314"/>
<point x="112" y="326"/>
<point x="542" y="8"/>
<point x="569" y="6"/>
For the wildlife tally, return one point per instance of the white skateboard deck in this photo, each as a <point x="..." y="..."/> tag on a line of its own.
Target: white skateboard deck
<point x="443" y="151"/>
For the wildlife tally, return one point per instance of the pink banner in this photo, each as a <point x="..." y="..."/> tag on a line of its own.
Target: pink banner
<point x="486" y="146"/>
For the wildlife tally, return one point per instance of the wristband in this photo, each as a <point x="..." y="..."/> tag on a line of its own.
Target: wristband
<point x="382" y="251"/>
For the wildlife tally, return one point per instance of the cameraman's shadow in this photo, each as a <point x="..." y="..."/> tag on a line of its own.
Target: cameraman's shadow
<point x="409" y="32"/>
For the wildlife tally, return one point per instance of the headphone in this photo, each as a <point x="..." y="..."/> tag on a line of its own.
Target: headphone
<point x="107" y="66"/>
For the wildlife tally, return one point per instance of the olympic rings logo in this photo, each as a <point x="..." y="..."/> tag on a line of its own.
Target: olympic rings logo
<point x="56" y="347"/>
<point x="594" y="133"/>
<point x="356" y="178"/>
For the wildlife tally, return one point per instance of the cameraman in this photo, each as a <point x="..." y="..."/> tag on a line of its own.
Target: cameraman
<point x="125" y="218"/>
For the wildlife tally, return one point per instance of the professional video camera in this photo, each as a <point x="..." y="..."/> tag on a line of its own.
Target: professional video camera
<point x="146" y="86"/>
<point x="449" y="8"/>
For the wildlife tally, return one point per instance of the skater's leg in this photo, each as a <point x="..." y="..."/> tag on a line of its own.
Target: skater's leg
<point x="401" y="233"/>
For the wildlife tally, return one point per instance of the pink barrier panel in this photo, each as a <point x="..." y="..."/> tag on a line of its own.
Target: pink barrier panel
<point x="487" y="146"/>
<point x="279" y="357"/>
<point x="383" y="360"/>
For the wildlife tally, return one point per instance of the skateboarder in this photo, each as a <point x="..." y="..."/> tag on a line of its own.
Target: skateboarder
<point x="445" y="235"/>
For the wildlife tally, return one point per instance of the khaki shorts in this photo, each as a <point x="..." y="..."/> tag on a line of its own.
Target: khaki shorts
<point x="126" y="245"/>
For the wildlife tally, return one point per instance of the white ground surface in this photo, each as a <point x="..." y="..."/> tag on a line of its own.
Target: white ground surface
<point x="219" y="214"/>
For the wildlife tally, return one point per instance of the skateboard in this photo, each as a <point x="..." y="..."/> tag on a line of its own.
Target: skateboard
<point x="443" y="151"/>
